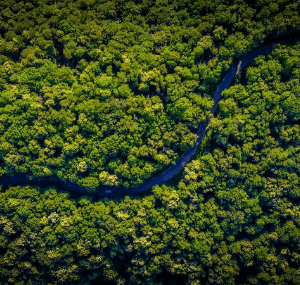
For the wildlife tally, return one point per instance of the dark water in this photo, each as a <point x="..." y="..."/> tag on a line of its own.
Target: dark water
<point x="109" y="191"/>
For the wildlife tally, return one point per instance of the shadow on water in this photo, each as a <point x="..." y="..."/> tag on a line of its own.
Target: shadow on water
<point x="174" y="171"/>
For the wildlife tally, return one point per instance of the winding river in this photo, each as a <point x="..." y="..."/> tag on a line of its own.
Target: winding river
<point x="109" y="191"/>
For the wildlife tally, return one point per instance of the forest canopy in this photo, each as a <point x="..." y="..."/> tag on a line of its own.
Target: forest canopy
<point x="231" y="218"/>
<point x="112" y="92"/>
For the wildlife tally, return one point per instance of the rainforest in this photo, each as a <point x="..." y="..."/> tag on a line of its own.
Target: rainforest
<point x="119" y="94"/>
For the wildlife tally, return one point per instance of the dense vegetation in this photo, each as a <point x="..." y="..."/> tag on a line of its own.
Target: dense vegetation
<point x="233" y="218"/>
<point x="112" y="92"/>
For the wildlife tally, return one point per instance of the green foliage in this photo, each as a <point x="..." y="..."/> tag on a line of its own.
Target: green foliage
<point x="111" y="92"/>
<point x="96" y="81"/>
